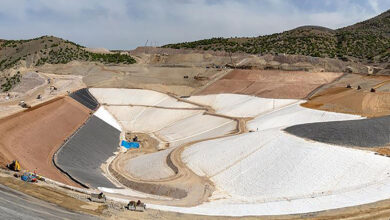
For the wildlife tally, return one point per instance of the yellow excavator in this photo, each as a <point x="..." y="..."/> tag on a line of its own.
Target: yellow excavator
<point x="15" y="166"/>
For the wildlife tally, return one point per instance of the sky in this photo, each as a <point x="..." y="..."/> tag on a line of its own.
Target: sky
<point x="126" y="24"/>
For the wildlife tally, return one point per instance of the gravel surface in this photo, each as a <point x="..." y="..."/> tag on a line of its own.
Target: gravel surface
<point x="373" y="132"/>
<point x="29" y="81"/>
<point x="16" y="205"/>
<point x="84" y="153"/>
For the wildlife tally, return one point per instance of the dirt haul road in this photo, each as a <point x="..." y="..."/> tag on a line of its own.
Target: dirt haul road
<point x="270" y="83"/>
<point x="185" y="188"/>
<point x="33" y="136"/>
<point x="29" y="89"/>
<point x="160" y="78"/>
<point x="17" y="205"/>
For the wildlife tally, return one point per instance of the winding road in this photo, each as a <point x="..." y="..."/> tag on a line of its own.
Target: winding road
<point x="185" y="187"/>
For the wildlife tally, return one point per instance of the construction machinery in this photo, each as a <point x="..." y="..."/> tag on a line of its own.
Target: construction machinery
<point x="136" y="206"/>
<point x="200" y="78"/>
<point x="97" y="197"/>
<point x="24" y="105"/>
<point x="15" y="166"/>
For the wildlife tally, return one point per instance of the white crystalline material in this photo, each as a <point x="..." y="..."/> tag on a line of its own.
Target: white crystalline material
<point x="114" y="96"/>
<point x="150" y="166"/>
<point x="148" y="119"/>
<point x="260" y="171"/>
<point x="103" y="114"/>
<point x="241" y="105"/>
<point x="295" y="114"/>
<point x="196" y="127"/>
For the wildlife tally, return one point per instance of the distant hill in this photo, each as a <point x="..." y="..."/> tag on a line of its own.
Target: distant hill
<point x="367" y="41"/>
<point x="53" y="50"/>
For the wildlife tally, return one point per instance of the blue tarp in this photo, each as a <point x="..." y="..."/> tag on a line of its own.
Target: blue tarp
<point x="129" y="145"/>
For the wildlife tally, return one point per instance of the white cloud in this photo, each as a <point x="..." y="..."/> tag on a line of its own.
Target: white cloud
<point x="374" y="4"/>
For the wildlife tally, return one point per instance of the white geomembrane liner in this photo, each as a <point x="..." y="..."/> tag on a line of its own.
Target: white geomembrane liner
<point x="241" y="105"/>
<point x="167" y="120"/>
<point x="268" y="172"/>
<point x="104" y="115"/>
<point x="114" y="96"/>
<point x="260" y="171"/>
<point x="148" y="119"/>
<point x="271" y="172"/>
<point x="295" y="114"/>
<point x="196" y="127"/>
<point x="150" y="166"/>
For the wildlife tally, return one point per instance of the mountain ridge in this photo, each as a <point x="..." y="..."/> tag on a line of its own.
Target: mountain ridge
<point x="367" y="41"/>
<point x="52" y="50"/>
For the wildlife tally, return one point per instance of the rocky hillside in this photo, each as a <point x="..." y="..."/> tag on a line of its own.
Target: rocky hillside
<point x="367" y="41"/>
<point x="53" y="50"/>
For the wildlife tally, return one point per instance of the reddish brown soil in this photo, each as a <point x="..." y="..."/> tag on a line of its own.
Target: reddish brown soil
<point x="270" y="83"/>
<point x="33" y="136"/>
<point x="382" y="150"/>
<point x="338" y="98"/>
<point x="351" y="101"/>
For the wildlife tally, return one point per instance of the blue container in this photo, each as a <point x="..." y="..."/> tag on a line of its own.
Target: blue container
<point x="129" y="145"/>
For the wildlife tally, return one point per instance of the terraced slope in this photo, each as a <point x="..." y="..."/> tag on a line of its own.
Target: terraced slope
<point x="295" y="114"/>
<point x="275" y="173"/>
<point x="373" y="132"/>
<point x="269" y="172"/>
<point x="136" y="97"/>
<point x="84" y="153"/>
<point x="84" y="97"/>
<point x="33" y="136"/>
<point x="148" y="119"/>
<point x="172" y="122"/>
<point x="266" y="171"/>
<point x="270" y="83"/>
<point x="240" y="105"/>
<point x="339" y="98"/>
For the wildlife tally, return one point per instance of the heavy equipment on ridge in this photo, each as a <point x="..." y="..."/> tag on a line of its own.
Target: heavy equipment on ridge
<point x="15" y="166"/>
